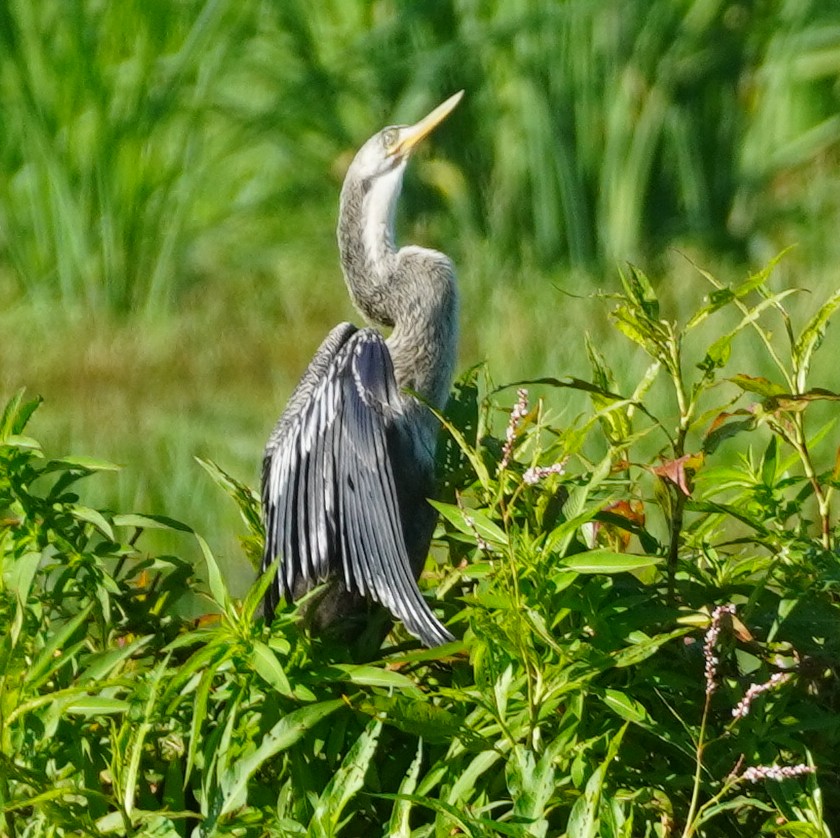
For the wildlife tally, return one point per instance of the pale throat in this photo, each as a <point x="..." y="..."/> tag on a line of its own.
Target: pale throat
<point x="422" y="311"/>
<point x="380" y="208"/>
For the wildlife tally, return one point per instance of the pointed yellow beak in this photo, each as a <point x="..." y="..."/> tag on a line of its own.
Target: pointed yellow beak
<point x="410" y="136"/>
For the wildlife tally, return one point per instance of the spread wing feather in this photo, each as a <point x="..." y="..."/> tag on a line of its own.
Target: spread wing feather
<point x="329" y="493"/>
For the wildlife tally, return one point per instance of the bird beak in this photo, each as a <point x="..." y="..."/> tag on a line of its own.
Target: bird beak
<point x="411" y="136"/>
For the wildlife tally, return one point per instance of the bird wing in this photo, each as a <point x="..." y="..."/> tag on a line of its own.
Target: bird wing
<point x="329" y="492"/>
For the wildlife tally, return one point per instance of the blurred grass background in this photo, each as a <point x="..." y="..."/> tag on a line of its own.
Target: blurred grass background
<point x="169" y="177"/>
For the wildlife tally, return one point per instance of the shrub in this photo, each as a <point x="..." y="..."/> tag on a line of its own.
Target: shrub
<point x="648" y="610"/>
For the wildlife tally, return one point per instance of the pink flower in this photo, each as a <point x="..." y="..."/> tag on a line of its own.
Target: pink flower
<point x="709" y="644"/>
<point x="520" y="410"/>
<point x="537" y="473"/>
<point x="756" y="773"/>
<point x="742" y="708"/>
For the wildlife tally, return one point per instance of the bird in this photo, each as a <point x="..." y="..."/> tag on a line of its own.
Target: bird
<point x="349" y="467"/>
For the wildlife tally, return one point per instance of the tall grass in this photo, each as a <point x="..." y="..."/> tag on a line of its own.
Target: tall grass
<point x="104" y="143"/>
<point x="154" y="146"/>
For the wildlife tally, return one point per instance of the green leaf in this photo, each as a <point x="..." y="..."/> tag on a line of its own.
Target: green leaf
<point x="719" y="352"/>
<point x="16" y="415"/>
<point x="760" y="277"/>
<point x="624" y="706"/>
<point x="570" y="383"/>
<point x="463" y="789"/>
<point x="102" y="665"/>
<point x="345" y="782"/>
<point x="604" y="378"/>
<point x="372" y="676"/>
<point x="434" y="654"/>
<point x="19" y="441"/>
<point x="140" y="729"/>
<point x="245" y="498"/>
<point x="256" y="593"/>
<point x="220" y="750"/>
<point x="757" y="384"/>
<point x="561" y="536"/>
<point x="93" y="516"/>
<point x="723" y="296"/>
<point x="283" y="735"/>
<point x="531" y="783"/>
<point x="650" y="335"/>
<point x="199" y="714"/>
<point x="19" y="573"/>
<point x="418" y="717"/>
<point x="94" y="705"/>
<point x="86" y="464"/>
<point x="400" y="825"/>
<point x="769" y="462"/>
<point x="469" y="452"/>
<point x="722" y="429"/>
<point x="54" y="655"/>
<point x="718" y="298"/>
<point x="218" y="589"/>
<point x="270" y="669"/>
<point x="732" y="510"/>
<point x="812" y="335"/>
<point x="741" y="802"/>
<point x="643" y="647"/>
<point x="640" y="291"/>
<point x="472" y="522"/>
<point x="606" y="561"/>
<point x="451" y="816"/>
<point x="150" y="522"/>
<point x="34" y="802"/>
<point x="583" y="820"/>
<point x="794" y="403"/>
<point x="502" y="690"/>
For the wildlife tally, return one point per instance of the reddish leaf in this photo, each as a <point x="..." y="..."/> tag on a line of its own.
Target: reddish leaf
<point x="740" y="630"/>
<point x="679" y="471"/>
<point x="797" y="402"/>
<point x="632" y="511"/>
<point x="208" y="620"/>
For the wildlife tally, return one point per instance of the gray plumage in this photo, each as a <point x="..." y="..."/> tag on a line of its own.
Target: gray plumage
<point x="350" y="464"/>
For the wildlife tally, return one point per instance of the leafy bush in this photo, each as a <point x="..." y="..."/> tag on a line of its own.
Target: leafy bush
<point x="586" y="563"/>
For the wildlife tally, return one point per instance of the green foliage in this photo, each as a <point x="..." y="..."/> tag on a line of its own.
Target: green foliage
<point x="153" y="145"/>
<point x="171" y="173"/>
<point x="585" y="562"/>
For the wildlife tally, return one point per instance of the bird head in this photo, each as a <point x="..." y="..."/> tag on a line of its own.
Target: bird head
<point x="368" y="203"/>
<point x="387" y="151"/>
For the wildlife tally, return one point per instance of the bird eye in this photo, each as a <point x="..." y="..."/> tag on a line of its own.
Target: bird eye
<point x="389" y="138"/>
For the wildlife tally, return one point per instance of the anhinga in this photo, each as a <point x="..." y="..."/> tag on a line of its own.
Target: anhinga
<point x="350" y="464"/>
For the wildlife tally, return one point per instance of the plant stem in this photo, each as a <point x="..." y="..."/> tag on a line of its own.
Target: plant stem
<point x="823" y="501"/>
<point x="530" y="675"/>
<point x="674" y="543"/>
<point x="698" y="770"/>
<point x="686" y="408"/>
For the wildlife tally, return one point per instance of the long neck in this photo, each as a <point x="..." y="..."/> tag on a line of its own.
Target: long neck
<point x="411" y="289"/>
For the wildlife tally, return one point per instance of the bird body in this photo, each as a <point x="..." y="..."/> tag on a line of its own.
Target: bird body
<point x="350" y="465"/>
